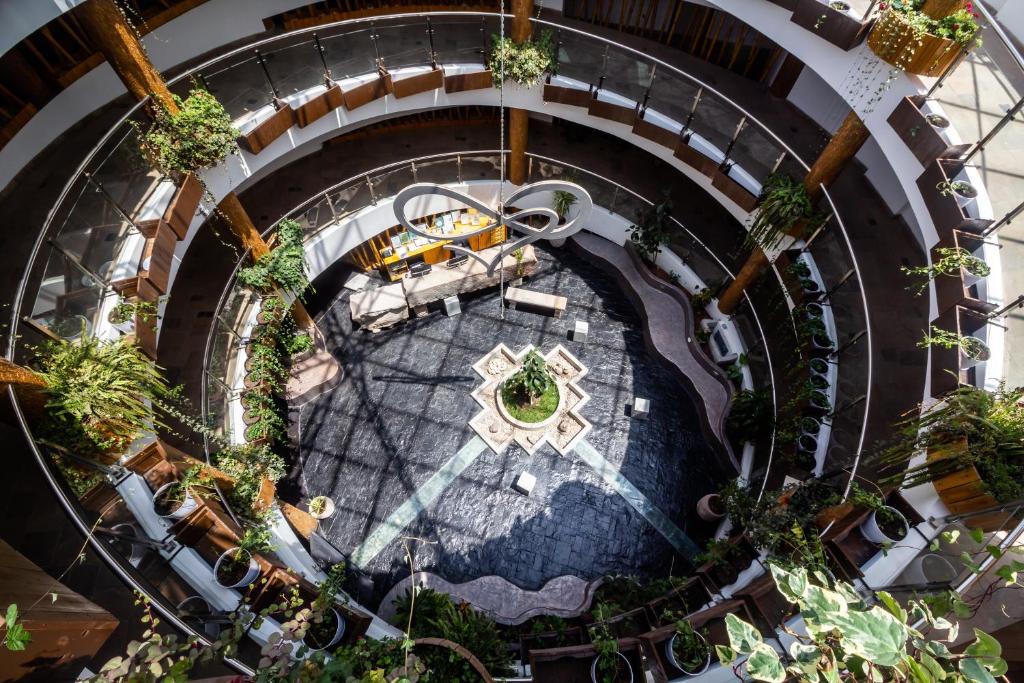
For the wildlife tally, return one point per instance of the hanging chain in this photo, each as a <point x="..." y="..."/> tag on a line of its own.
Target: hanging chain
<point x="501" y="155"/>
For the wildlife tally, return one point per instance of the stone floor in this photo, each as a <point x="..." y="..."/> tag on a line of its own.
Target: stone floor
<point x="401" y="412"/>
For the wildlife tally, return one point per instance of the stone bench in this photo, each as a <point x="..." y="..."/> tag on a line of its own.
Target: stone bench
<point x="527" y="297"/>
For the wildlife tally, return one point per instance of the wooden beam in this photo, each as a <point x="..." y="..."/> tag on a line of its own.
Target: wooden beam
<point x="841" y="149"/>
<point x="518" y="134"/>
<point x="940" y="9"/>
<point x="756" y="264"/>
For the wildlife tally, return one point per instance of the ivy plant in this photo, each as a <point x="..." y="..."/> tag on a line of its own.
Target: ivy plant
<point x="284" y="266"/>
<point x="198" y="136"/>
<point x="525" y="63"/>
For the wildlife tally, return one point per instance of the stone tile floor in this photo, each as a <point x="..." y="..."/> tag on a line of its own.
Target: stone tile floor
<point x="402" y="411"/>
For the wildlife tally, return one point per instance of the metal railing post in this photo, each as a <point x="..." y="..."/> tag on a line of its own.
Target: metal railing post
<point x="369" y="185"/>
<point x="430" y="43"/>
<point x="266" y="73"/>
<point x="323" y="58"/>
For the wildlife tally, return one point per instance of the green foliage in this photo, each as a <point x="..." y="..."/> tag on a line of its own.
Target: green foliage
<point x="690" y="648"/>
<point x="248" y="465"/>
<point x="329" y="588"/>
<point x="607" y="648"/>
<point x="951" y="260"/>
<point x="16" y="637"/>
<point x="524" y="63"/>
<point x="653" y="228"/>
<point x="700" y="299"/>
<point x="750" y="417"/>
<point x="105" y="388"/>
<point x="78" y="478"/>
<point x="284" y="266"/>
<point x="534" y="410"/>
<point x="782" y="204"/>
<point x="126" y="310"/>
<point x="298" y="343"/>
<point x="952" y="340"/>
<point x="532" y="380"/>
<point x="562" y="201"/>
<point x="199" y="136"/>
<point x="961" y="26"/>
<point x="851" y="641"/>
<point x="256" y="538"/>
<point x="991" y="422"/>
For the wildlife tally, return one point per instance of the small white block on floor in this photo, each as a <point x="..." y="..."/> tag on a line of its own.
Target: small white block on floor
<point x="580" y="331"/>
<point x="357" y="282"/>
<point x="525" y="483"/>
<point x="452" y="306"/>
<point x="641" y="408"/>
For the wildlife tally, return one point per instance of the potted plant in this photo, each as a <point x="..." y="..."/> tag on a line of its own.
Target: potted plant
<point x="961" y="190"/>
<point x="818" y="366"/>
<point x="885" y="526"/>
<point x="199" y="135"/>
<point x="175" y="500"/>
<point x="711" y="507"/>
<point x="688" y="650"/>
<point x="520" y="270"/>
<point x="723" y="560"/>
<point x="325" y="625"/>
<point x="911" y="40"/>
<point x="562" y="201"/>
<point x="974" y="348"/>
<point x="321" y="507"/>
<point x="937" y="121"/>
<point x="523" y="63"/>
<point x="782" y="205"/>
<point x="610" y="665"/>
<point x="284" y="266"/>
<point x="531" y="395"/>
<point x="839" y="6"/>
<point x="750" y="416"/>
<point x="237" y="567"/>
<point x="950" y="262"/>
<point x="652" y="229"/>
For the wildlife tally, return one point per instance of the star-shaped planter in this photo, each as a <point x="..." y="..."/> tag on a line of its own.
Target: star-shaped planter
<point x="563" y="430"/>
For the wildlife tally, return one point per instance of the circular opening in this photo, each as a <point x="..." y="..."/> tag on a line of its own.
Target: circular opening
<point x="937" y="121"/>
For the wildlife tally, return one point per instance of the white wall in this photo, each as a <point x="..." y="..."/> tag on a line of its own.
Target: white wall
<point x="21" y="18"/>
<point x="817" y="99"/>
<point x="1011" y="16"/>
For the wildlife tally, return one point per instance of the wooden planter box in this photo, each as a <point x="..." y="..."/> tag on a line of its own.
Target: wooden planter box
<point x="717" y="577"/>
<point x="922" y="138"/>
<point x="183" y="206"/>
<point x="265" y="132"/>
<point x="367" y="92"/>
<point x="712" y="619"/>
<point x="734" y="191"/>
<point x="571" y="636"/>
<point x="572" y="664"/>
<point x="950" y="367"/>
<point x="892" y="39"/>
<point x="431" y="80"/>
<point x="847" y="547"/>
<point x="145" y="335"/>
<point x="477" y="80"/>
<point x="785" y="4"/>
<point x="688" y="598"/>
<point x="612" y="112"/>
<point x="952" y="290"/>
<point x="945" y="212"/>
<point x="319" y="106"/>
<point x="662" y="136"/>
<point x="629" y="624"/>
<point x="963" y="492"/>
<point x="570" y="96"/>
<point x="839" y="28"/>
<point x="763" y="599"/>
<point x="695" y="159"/>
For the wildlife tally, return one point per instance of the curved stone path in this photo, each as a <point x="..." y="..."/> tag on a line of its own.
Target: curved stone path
<point x="506" y="603"/>
<point x="668" y="329"/>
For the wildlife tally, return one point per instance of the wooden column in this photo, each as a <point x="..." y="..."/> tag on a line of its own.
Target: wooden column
<point x="28" y="385"/>
<point x="755" y="266"/>
<point x="519" y="119"/>
<point x="940" y="9"/>
<point x="839" y="152"/>
<point x="241" y="226"/>
<point x="107" y="26"/>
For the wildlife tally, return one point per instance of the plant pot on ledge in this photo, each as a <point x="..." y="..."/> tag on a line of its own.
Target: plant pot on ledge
<point x="894" y="40"/>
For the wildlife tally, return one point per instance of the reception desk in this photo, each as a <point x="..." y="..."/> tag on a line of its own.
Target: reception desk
<point x="470" y="276"/>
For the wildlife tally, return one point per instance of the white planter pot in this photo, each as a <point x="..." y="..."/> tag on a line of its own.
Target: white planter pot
<point x="930" y="568"/>
<point x="706" y="509"/>
<point x="327" y="511"/>
<point x="593" y="668"/>
<point x="671" y="655"/>
<point x="978" y="354"/>
<point x="873" y="532"/>
<point x="250" y="575"/>
<point x="339" y="631"/>
<point x="184" y="510"/>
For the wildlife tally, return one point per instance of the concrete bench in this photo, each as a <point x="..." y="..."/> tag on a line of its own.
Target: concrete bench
<point x="548" y="302"/>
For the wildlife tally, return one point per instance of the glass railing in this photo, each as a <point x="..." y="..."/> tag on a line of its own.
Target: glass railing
<point x="95" y="236"/>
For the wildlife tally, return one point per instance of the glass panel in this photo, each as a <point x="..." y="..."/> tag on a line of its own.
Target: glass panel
<point x="217" y="406"/>
<point x="237" y="307"/>
<point x="460" y="41"/>
<point x="295" y="68"/>
<point x="443" y="171"/>
<point x="349" y="54"/>
<point x="314" y="218"/>
<point x="68" y="298"/>
<point x="389" y="183"/>
<point x="715" y="120"/>
<point x="223" y="347"/>
<point x="404" y="44"/>
<point x="626" y="75"/>
<point x="352" y="198"/>
<point x="545" y="170"/>
<point x="755" y="152"/>
<point x="485" y="167"/>
<point x="126" y="175"/>
<point x="95" y="232"/>
<point x="672" y="97"/>
<point x="579" y="58"/>
<point x="242" y="88"/>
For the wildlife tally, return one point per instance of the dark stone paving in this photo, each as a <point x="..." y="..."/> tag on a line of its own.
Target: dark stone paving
<point x="401" y="413"/>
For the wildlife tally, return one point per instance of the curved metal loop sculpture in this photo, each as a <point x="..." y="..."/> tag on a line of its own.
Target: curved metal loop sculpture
<point x="551" y="230"/>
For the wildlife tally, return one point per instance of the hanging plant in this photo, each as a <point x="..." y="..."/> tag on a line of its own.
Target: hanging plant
<point x="910" y="40"/>
<point x="782" y="204"/>
<point x="284" y="266"/>
<point x="951" y="260"/>
<point x="525" y="63"/>
<point x="198" y="136"/>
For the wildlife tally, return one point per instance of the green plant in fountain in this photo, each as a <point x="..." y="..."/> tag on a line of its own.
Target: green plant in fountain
<point x="102" y="390"/>
<point x="950" y="261"/>
<point x="653" y="228"/>
<point x="970" y="427"/>
<point x="525" y="63"/>
<point x="562" y="201"/>
<point x="531" y="394"/>
<point x="782" y="205"/>
<point x="519" y="255"/>
<point x="284" y="266"/>
<point x="199" y="136"/>
<point x="848" y="640"/>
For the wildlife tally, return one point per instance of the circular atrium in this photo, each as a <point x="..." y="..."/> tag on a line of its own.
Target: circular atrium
<point x="569" y="342"/>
